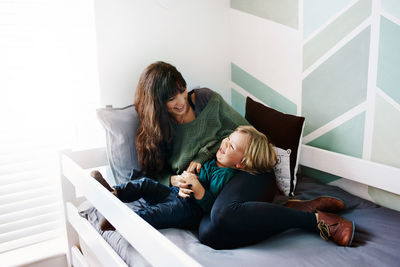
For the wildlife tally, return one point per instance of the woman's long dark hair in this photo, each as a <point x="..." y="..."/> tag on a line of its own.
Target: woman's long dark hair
<point x="157" y="84"/>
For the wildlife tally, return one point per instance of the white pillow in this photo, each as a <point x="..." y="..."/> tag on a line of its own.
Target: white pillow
<point x="282" y="170"/>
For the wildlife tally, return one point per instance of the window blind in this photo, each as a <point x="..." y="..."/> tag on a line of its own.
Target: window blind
<point x="48" y="97"/>
<point x="30" y="207"/>
<point x="33" y="121"/>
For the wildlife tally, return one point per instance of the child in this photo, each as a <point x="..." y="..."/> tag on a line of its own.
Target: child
<point x="245" y="149"/>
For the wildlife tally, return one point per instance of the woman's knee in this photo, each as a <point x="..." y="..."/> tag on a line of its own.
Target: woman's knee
<point x="222" y="216"/>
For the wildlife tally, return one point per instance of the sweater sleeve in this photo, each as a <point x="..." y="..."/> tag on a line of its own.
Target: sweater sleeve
<point x="229" y="119"/>
<point x="165" y="178"/>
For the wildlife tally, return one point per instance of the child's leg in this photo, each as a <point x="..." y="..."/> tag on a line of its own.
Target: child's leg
<point x="174" y="211"/>
<point x="146" y="188"/>
<point x="151" y="191"/>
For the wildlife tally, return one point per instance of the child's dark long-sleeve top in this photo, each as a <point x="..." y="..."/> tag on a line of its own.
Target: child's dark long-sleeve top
<point x="213" y="179"/>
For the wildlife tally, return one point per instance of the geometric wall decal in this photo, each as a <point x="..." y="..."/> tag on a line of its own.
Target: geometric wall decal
<point x="385" y="198"/>
<point x="268" y="51"/>
<point x="317" y="60"/>
<point x="262" y="91"/>
<point x="389" y="59"/>
<point x="281" y="11"/>
<point x="321" y="176"/>
<point x="347" y="138"/>
<point x="238" y="102"/>
<point x="334" y="32"/>
<point x="392" y="7"/>
<point x="386" y="132"/>
<point x="337" y="85"/>
<point x="317" y="12"/>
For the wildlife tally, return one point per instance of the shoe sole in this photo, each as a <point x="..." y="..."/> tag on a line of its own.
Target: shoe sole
<point x="352" y="234"/>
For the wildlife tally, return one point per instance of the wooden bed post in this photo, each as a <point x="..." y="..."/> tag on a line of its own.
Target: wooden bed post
<point x="69" y="195"/>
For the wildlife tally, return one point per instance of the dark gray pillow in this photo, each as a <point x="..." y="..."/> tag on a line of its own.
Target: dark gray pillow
<point x="120" y="125"/>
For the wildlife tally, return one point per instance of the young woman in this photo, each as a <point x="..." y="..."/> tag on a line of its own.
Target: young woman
<point x="178" y="130"/>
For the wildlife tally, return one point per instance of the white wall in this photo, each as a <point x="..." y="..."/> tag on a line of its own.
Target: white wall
<point x="190" y="34"/>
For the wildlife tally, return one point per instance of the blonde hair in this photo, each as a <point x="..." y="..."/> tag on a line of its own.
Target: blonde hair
<point x="259" y="155"/>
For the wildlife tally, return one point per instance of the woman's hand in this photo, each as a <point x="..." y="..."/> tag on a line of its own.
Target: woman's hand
<point x="185" y="192"/>
<point x="190" y="186"/>
<point x="176" y="180"/>
<point x="194" y="167"/>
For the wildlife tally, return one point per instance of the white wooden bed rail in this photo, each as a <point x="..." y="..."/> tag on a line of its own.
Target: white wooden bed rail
<point x="359" y="170"/>
<point x="149" y="242"/>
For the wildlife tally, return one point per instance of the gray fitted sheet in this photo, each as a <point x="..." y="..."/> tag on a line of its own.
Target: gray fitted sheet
<point x="376" y="240"/>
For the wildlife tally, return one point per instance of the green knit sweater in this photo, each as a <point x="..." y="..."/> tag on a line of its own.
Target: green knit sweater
<point x="199" y="139"/>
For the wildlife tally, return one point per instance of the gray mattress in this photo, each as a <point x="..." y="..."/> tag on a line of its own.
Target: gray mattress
<point x="376" y="240"/>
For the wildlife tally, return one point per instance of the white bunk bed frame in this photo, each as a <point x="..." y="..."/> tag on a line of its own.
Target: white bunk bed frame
<point x="77" y="185"/>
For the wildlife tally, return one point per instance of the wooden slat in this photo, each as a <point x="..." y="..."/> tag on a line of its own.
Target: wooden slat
<point x="13" y="229"/>
<point x="41" y="200"/>
<point x="359" y="170"/>
<point x="29" y="231"/>
<point x="29" y="240"/>
<point x="27" y="194"/>
<point x="22" y="166"/>
<point x="24" y="185"/>
<point x="38" y="210"/>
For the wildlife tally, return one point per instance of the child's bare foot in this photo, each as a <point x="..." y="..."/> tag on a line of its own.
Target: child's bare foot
<point x="105" y="225"/>
<point x="99" y="178"/>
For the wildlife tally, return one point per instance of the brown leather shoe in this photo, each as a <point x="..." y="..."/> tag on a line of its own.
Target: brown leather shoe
<point x="320" y="203"/>
<point x="99" y="178"/>
<point x="105" y="225"/>
<point x="340" y="230"/>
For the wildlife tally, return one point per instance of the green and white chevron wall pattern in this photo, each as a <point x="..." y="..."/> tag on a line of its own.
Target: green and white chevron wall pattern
<point x="335" y="62"/>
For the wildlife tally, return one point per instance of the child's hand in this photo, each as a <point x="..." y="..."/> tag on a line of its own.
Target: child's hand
<point x="189" y="178"/>
<point x="190" y="186"/>
<point x="194" y="167"/>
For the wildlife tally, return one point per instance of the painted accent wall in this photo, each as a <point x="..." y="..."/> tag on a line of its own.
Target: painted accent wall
<point x="337" y="65"/>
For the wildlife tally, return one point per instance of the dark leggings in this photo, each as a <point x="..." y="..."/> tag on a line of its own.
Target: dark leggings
<point x="242" y="214"/>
